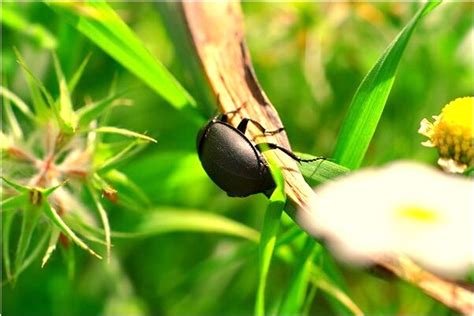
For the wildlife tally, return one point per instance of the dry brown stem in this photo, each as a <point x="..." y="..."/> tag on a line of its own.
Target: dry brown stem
<point x="217" y="33"/>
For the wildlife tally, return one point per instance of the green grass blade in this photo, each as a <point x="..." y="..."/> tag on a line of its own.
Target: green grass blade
<point x="294" y="298"/>
<point x="167" y="220"/>
<point x="320" y="171"/>
<point x="369" y="101"/>
<point x="99" y="22"/>
<point x="124" y="132"/>
<point x="323" y="282"/>
<point x="271" y="224"/>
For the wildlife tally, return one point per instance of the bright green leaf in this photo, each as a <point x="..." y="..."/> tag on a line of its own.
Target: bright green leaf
<point x="271" y="223"/>
<point x="167" y="220"/>
<point x="294" y="298"/>
<point x="124" y="132"/>
<point x="99" y="22"/>
<point x="369" y="101"/>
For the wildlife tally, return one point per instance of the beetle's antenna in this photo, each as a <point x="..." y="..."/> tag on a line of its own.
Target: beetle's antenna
<point x="266" y="146"/>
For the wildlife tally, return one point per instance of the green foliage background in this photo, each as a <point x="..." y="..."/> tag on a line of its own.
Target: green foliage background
<point x="310" y="59"/>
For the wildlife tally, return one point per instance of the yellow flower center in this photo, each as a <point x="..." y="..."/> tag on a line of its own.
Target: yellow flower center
<point x="418" y="214"/>
<point x="453" y="134"/>
<point x="460" y="113"/>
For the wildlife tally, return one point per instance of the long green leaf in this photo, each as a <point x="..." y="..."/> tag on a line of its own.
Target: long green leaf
<point x="99" y="22"/>
<point x="293" y="300"/>
<point x="320" y="171"/>
<point x="166" y="220"/>
<point x="369" y="101"/>
<point x="124" y="132"/>
<point x="271" y="223"/>
<point x="322" y="281"/>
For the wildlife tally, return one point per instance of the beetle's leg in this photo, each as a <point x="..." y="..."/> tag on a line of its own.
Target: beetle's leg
<point x="266" y="146"/>
<point x="243" y="127"/>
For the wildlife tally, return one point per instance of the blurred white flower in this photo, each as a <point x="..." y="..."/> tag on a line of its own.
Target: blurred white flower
<point x="403" y="208"/>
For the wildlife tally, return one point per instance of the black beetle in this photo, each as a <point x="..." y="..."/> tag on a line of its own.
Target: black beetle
<point x="232" y="161"/>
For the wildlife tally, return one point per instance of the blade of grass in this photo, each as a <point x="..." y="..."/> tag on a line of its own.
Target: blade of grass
<point x="124" y="132"/>
<point x="166" y="220"/>
<point x="325" y="284"/>
<point x="99" y="22"/>
<point x="320" y="171"/>
<point x="271" y="223"/>
<point x="294" y="298"/>
<point x="369" y="101"/>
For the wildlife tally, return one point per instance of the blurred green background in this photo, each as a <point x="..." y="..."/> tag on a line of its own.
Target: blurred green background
<point x="310" y="59"/>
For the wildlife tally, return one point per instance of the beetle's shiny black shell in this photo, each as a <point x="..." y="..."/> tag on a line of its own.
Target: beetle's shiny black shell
<point x="232" y="161"/>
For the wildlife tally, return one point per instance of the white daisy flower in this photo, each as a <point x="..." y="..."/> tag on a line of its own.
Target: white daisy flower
<point x="403" y="208"/>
